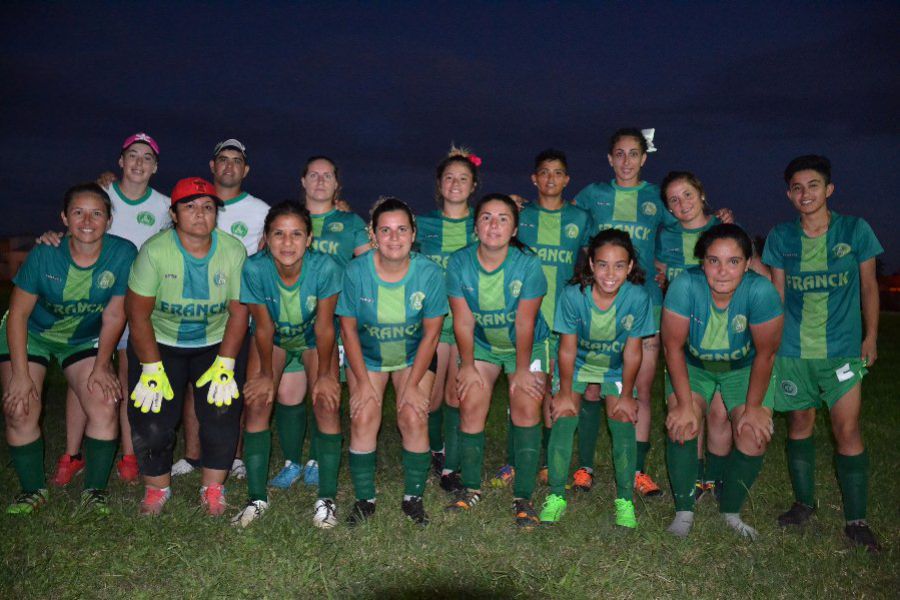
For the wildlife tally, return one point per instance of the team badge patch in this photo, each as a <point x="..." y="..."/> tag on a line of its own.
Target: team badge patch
<point x="571" y="231"/>
<point x="336" y="227"/>
<point x="219" y="279"/>
<point x="146" y="218"/>
<point x="627" y="322"/>
<point x="739" y="324"/>
<point x="789" y="387"/>
<point x="515" y="288"/>
<point x="841" y="250"/>
<point x="239" y="229"/>
<point x="416" y="299"/>
<point x="310" y="303"/>
<point x="648" y="208"/>
<point x="105" y="280"/>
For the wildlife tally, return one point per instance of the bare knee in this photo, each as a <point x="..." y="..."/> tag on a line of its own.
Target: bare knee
<point x="801" y="423"/>
<point x="409" y="421"/>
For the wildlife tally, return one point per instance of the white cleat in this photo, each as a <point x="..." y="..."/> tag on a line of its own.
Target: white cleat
<point x="324" y="517"/>
<point x="253" y="511"/>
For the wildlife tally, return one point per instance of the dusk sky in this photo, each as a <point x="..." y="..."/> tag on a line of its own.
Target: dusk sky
<point x="734" y="90"/>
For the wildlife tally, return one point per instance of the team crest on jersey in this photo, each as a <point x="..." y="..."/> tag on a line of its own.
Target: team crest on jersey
<point x="739" y="324"/>
<point x="219" y="279"/>
<point x="789" y="387"/>
<point x="571" y="231"/>
<point x="627" y="322"/>
<point x="146" y="218"/>
<point x="841" y="250"/>
<point x="515" y="288"/>
<point x="239" y="229"/>
<point x="310" y="303"/>
<point x="648" y="208"/>
<point x="416" y="299"/>
<point x="336" y="227"/>
<point x="105" y="280"/>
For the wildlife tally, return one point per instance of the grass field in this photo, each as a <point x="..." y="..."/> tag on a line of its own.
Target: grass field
<point x="60" y="553"/>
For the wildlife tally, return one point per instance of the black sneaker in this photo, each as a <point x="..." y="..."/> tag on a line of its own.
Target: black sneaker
<point x="437" y="463"/>
<point x="361" y="511"/>
<point x="452" y="483"/>
<point x="526" y="516"/>
<point x="798" y="515"/>
<point x="96" y="501"/>
<point x="465" y="499"/>
<point x="859" y="534"/>
<point x="415" y="510"/>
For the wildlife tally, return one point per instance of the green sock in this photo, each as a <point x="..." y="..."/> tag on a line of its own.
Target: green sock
<point x="415" y="471"/>
<point x="329" y="463"/>
<point x="362" y="472"/>
<point x="739" y="477"/>
<point x="290" y="422"/>
<point x="588" y="429"/>
<point x="853" y="477"/>
<point x="28" y="461"/>
<point x="701" y="469"/>
<point x="545" y="443"/>
<point x="559" y="453"/>
<point x="715" y="467"/>
<point x="682" y="462"/>
<point x="99" y="456"/>
<point x="624" y="450"/>
<point x="510" y="441"/>
<point x="642" y="449"/>
<point x="313" y="438"/>
<point x="801" y="457"/>
<point x="435" y="425"/>
<point x="471" y="450"/>
<point x="528" y="450"/>
<point x="451" y="438"/>
<point x="257" y="448"/>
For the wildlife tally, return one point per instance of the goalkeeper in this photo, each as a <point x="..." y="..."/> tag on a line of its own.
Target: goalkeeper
<point x="187" y="326"/>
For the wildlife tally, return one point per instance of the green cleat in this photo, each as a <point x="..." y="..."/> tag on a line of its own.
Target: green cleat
<point x="27" y="503"/>
<point x="95" y="501"/>
<point x="625" y="513"/>
<point x="553" y="510"/>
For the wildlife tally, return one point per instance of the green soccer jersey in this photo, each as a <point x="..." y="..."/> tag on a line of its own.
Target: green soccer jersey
<point x="493" y="297"/>
<point x="292" y="308"/>
<point x="338" y="234"/>
<point x="602" y="334"/>
<point x="437" y="236"/>
<point x="192" y="294"/>
<point x="636" y="210"/>
<point x="821" y="285"/>
<point x="71" y="299"/>
<point x="556" y="236"/>
<point x="389" y="314"/>
<point x="720" y="339"/>
<point x="675" y="247"/>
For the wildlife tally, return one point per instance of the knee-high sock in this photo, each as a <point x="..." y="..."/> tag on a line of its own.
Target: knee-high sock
<point x="853" y="477"/>
<point x="471" y="446"/>
<point x="528" y="450"/>
<point x="290" y="421"/>
<point x="624" y="449"/>
<point x="329" y="463"/>
<point x="510" y="441"/>
<point x="682" y="463"/>
<point x="415" y="472"/>
<point x="559" y="453"/>
<point x="801" y="459"/>
<point x="715" y="467"/>
<point x="451" y="438"/>
<point x="739" y="477"/>
<point x="588" y="430"/>
<point x="28" y="461"/>
<point x="313" y="438"/>
<point x="257" y="449"/>
<point x="642" y="449"/>
<point x="435" y="427"/>
<point x="99" y="456"/>
<point x="362" y="472"/>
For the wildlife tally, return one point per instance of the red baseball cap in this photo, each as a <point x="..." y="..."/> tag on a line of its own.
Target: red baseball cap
<point x="191" y="188"/>
<point x="141" y="138"/>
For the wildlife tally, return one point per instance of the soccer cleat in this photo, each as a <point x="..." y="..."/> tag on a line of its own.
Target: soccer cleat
<point x="465" y="500"/>
<point x="27" y="503"/>
<point x="734" y="521"/>
<point x="526" y="517"/>
<point x="504" y="476"/>
<point x="251" y="512"/>
<point x="645" y="486"/>
<point x="311" y="473"/>
<point x="96" y="501"/>
<point x="437" y="463"/>
<point x="415" y="510"/>
<point x="797" y="515"/>
<point x="451" y="482"/>
<point x="859" y="534"/>
<point x="212" y="498"/>
<point x="182" y="467"/>
<point x="154" y="500"/>
<point x="67" y="467"/>
<point x="543" y="476"/>
<point x="127" y="468"/>
<point x="553" y="510"/>
<point x="238" y="469"/>
<point x="361" y="511"/>
<point x="325" y="513"/>
<point x="583" y="480"/>
<point x="625" y="513"/>
<point x="287" y="476"/>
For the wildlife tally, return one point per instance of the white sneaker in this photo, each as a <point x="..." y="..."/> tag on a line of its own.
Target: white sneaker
<point x="324" y="517"/>
<point x="238" y="469"/>
<point x="250" y="513"/>
<point x="182" y="467"/>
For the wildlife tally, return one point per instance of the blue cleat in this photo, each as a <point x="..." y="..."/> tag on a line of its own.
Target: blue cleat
<point x="311" y="473"/>
<point x="287" y="476"/>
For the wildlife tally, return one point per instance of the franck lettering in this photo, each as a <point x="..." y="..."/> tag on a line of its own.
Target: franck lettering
<point x="556" y="255"/>
<point x="193" y="310"/>
<point x="391" y="332"/>
<point x="636" y="232"/>
<point x="495" y="319"/>
<point x="75" y="308"/>
<point x="326" y="246"/>
<point x="721" y="356"/>
<point x="824" y="281"/>
<point x="614" y="347"/>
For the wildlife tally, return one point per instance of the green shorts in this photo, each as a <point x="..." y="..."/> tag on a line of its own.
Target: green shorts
<point x="294" y="362"/>
<point x="657" y="317"/>
<point x="808" y="382"/>
<point x="41" y="350"/>
<point x="447" y="335"/>
<point x="540" y="358"/>
<point x="607" y="388"/>
<point x="732" y="385"/>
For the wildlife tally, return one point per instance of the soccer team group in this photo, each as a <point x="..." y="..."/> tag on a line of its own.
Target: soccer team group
<point x="231" y="311"/>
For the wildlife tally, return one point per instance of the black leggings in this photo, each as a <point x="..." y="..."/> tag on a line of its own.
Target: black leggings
<point x="153" y="434"/>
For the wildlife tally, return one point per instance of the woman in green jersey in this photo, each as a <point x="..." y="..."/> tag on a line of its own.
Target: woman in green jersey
<point x="187" y="327"/>
<point x="601" y="320"/>
<point x="721" y="328"/>
<point x="67" y="304"/>
<point x="441" y="233"/>
<point x="291" y="292"/>
<point x="392" y="306"/>
<point x="496" y="288"/>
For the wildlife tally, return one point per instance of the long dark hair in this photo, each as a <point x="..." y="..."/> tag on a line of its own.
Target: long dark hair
<point x="617" y="238"/>
<point x="456" y="155"/>
<point x="513" y="207"/>
<point x="724" y="231"/>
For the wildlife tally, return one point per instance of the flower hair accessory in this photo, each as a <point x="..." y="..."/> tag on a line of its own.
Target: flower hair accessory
<point x="464" y="152"/>
<point x="648" y="136"/>
<point x="474" y="159"/>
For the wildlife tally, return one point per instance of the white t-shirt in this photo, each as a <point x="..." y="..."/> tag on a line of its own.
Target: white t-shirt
<point x="138" y="220"/>
<point x="244" y="217"/>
